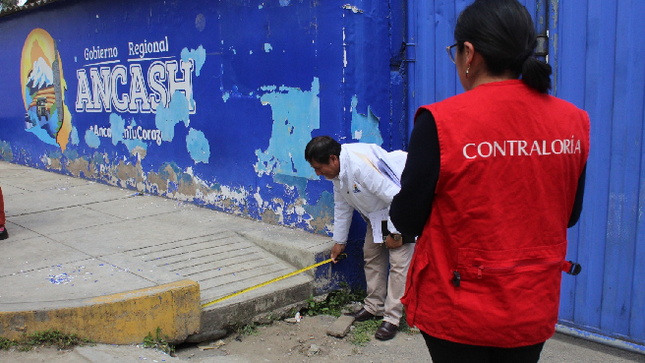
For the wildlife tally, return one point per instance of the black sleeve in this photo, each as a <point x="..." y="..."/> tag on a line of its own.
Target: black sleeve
<point x="577" y="204"/>
<point x="411" y="207"/>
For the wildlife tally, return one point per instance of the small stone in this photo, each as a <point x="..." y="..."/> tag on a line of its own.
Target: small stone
<point x="291" y="320"/>
<point x="341" y="326"/>
<point x="218" y="343"/>
<point x="313" y="350"/>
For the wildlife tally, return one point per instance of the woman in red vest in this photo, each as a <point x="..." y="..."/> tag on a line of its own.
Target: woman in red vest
<point x="494" y="177"/>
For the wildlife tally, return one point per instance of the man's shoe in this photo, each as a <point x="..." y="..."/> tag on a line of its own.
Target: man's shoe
<point x="363" y="315"/>
<point x="386" y="331"/>
<point x="3" y="233"/>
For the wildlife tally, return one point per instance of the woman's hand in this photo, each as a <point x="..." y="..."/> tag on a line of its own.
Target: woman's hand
<point x="392" y="243"/>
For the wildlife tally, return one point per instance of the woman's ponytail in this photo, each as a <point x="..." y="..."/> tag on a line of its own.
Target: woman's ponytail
<point x="536" y="74"/>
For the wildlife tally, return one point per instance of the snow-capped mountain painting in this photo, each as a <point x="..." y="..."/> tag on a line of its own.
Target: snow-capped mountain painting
<point x="41" y="75"/>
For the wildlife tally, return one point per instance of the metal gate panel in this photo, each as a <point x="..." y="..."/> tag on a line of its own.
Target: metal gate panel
<point x="597" y="70"/>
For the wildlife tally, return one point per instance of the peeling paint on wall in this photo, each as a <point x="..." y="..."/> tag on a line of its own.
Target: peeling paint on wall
<point x="129" y="174"/>
<point x="321" y="213"/>
<point x="5" y="151"/>
<point x="78" y="167"/>
<point x="92" y="140"/>
<point x="353" y="8"/>
<point x="198" y="146"/>
<point x="177" y="111"/>
<point x="198" y="55"/>
<point x="365" y="128"/>
<point x="296" y="113"/>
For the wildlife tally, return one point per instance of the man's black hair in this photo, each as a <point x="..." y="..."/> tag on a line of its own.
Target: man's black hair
<point x="320" y="148"/>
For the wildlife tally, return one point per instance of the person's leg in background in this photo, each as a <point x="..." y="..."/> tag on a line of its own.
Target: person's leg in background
<point x="376" y="269"/>
<point x="3" y="230"/>
<point x="399" y="262"/>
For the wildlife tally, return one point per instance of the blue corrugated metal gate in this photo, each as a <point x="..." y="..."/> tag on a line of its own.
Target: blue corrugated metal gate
<point x="596" y="49"/>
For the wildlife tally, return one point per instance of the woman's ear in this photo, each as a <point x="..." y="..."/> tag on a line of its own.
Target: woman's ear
<point x="469" y="52"/>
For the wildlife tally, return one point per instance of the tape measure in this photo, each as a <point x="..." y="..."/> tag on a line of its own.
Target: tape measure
<point x="341" y="256"/>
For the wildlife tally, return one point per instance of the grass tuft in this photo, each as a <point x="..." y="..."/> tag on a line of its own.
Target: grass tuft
<point x="334" y="303"/>
<point x="45" y="338"/>
<point x="248" y="330"/>
<point x="364" y="331"/>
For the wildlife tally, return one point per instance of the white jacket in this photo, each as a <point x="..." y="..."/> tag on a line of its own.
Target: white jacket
<point x="361" y="186"/>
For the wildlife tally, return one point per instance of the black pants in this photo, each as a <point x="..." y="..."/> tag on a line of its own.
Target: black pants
<point x="443" y="351"/>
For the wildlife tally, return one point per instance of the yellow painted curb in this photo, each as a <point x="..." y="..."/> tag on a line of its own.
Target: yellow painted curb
<point x="124" y="318"/>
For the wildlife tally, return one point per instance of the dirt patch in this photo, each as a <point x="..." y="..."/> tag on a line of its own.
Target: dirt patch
<point x="306" y="341"/>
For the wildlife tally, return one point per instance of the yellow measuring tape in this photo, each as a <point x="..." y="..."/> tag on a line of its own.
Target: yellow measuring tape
<point x="342" y="256"/>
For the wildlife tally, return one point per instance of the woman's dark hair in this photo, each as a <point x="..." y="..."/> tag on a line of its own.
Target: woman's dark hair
<point x="502" y="32"/>
<point x="320" y="148"/>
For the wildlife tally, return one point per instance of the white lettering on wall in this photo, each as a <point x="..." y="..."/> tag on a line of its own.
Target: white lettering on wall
<point x="133" y="90"/>
<point x="130" y="133"/>
<point x="100" y="53"/>
<point x="141" y="49"/>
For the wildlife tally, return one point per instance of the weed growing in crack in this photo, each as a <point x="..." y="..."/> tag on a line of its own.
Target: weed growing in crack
<point x="334" y="303"/>
<point x="158" y="343"/>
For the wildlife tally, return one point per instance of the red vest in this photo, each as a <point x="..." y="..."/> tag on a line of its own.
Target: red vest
<point x="487" y="268"/>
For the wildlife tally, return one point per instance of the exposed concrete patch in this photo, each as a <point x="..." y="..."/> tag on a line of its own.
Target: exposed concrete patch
<point x="321" y="213"/>
<point x="92" y="171"/>
<point x="168" y="173"/>
<point x="156" y="181"/>
<point x="269" y="216"/>
<point x="128" y="171"/>
<point x="139" y="152"/>
<point x="187" y="187"/>
<point x="124" y="318"/>
<point x="78" y="166"/>
<point x="52" y="163"/>
<point x="321" y="224"/>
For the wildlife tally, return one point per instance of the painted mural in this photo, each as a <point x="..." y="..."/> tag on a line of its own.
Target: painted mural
<point x="209" y="104"/>
<point x="43" y="85"/>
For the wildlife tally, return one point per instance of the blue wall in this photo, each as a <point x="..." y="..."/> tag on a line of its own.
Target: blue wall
<point x="207" y="102"/>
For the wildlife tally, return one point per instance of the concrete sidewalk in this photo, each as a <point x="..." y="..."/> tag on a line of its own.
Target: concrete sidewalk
<point x="112" y="265"/>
